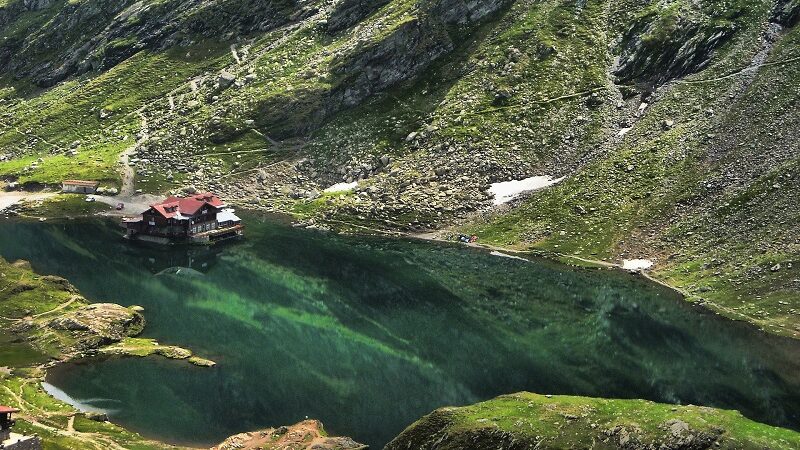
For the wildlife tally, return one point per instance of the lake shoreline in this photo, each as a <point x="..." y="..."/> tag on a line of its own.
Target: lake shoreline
<point x="70" y="329"/>
<point x="368" y="249"/>
<point x="340" y="227"/>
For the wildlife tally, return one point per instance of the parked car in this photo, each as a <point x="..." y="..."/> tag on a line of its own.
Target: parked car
<point x="120" y="206"/>
<point x="90" y="199"/>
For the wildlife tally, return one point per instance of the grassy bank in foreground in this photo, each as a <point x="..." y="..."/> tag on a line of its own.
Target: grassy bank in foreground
<point x="526" y="420"/>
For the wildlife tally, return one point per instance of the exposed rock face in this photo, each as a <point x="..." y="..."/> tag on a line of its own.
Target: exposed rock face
<point x="787" y="12"/>
<point x="365" y="70"/>
<point x="99" y="324"/>
<point x="346" y="13"/>
<point x="306" y="435"/>
<point x="35" y="5"/>
<point x="465" y="12"/>
<point x="111" y="31"/>
<point x="663" y="46"/>
<point x="679" y="436"/>
<point x="402" y="55"/>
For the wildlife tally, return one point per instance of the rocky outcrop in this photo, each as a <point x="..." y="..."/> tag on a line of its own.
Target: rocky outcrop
<point x="669" y="43"/>
<point x="87" y="36"/>
<point x="306" y="435"/>
<point x="99" y="324"/>
<point x="465" y="12"/>
<point x="400" y="56"/>
<point x="361" y="71"/>
<point x="346" y="13"/>
<point x="787" y="13"/>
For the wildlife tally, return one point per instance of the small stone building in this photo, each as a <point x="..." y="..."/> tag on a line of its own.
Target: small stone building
<point x="79" y="186"/>
<point x="14" y="441"/>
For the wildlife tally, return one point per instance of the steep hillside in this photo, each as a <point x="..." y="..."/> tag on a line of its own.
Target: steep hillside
<point x="674" y="122"/>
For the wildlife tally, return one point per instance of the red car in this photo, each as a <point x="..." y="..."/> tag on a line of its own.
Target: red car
<point x="120" y="206"/>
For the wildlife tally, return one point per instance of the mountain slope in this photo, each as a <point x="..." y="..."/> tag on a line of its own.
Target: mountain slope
<point x="675" y="123"/>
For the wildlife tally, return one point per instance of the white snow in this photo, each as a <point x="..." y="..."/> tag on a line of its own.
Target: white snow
<point x="636" y="264"/>
<point x="505" y="255"/>
<point x="506" y="191"/>
<point x="227" y="215"/>
<point x="342" y="187"/>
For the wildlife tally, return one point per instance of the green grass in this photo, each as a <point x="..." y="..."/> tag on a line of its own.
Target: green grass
<point x="42" y="122"/>
<point x="559" y="422"/>
<point x="24" y="293"/>
<point x="648" y="197"/>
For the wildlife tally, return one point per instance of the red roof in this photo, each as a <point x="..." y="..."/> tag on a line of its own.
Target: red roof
<point x="7" y="409"/>
<point x="81" y="182"/>
<point x="188" y="206"/>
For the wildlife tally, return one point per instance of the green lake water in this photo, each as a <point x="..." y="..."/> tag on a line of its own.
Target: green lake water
<point x="368" y="334"/>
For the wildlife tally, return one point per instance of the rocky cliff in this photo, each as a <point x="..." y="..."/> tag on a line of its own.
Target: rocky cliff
<point x="308" y="434"/>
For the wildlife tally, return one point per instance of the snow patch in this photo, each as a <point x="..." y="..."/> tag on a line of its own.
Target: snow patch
<point x="504" y="255"/>
<point x="506" y="191"/>
<point x="636" y="264"/>
<point x="342" y="187"/>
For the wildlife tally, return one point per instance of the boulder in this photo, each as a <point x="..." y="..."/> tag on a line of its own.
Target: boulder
<point x="225" y="79"/>
<point x="306" y="435"/>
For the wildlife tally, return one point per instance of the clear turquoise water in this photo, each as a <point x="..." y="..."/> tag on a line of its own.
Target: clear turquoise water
<point x="368" y="334"/>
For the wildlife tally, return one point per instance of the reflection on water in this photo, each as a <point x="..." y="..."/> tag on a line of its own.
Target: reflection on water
<point x="84" y="405"/>
<point x="368" y="334"/>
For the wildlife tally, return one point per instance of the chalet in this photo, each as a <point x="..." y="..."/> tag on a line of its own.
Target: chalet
<point x="14" y="441"/>
<point x="199" y="218"/>
<point x="79" y="186"/>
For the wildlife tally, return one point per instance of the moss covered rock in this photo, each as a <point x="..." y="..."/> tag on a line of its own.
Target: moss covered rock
<point x="525" y="421"/>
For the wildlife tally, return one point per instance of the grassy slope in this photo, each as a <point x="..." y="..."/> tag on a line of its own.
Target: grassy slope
<point x="512" y="100"/>
<point x="524" y="419"/>
<point x="666" y="193"/>
<point x="43" y="124"/>
<point x="656" y="193"/>
<point x="644" y="195"/>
